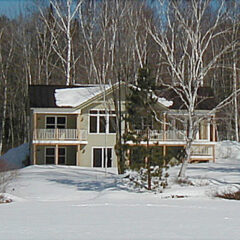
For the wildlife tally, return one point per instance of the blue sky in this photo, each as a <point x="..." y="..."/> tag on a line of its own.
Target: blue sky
<point x="12" y="8"/>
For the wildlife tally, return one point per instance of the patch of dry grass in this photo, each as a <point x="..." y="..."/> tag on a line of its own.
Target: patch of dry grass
<point x="231" y="196"/>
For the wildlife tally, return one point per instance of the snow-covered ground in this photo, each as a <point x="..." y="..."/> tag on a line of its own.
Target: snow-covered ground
<point x="54" y="202"/>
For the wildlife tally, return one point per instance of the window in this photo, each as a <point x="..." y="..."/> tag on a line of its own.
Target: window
<point x="112" y="124"/>
<point x="50" y="122"/>
<point x="93" y="124"/>
<point x="62" y="156"/>
<point x="102" y="124"/>
<point x="102" y="121"/>
<point x="61" y="122"/>
<point x="55" y="122"/>
<point x="99" y="155"/>
<point x="50" y="155"/>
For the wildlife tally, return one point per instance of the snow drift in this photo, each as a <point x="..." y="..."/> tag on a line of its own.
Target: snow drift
<point x="15" y="157"/>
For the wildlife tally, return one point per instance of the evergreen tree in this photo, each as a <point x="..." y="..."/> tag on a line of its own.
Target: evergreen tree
<point x="141" y="122"/>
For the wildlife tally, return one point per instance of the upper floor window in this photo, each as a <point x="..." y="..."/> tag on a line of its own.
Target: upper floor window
<point x="55" y="122"/>
<point x="102" y="121"/>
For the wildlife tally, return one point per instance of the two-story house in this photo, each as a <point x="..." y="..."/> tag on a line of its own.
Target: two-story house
<point x="76" y="125"/>
<point x="73" y="125"/>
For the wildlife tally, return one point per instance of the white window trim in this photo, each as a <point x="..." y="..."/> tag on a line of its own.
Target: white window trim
<point x="98" y="121"/>
<point x="102" y="147"/>
<point x="55" y="124"/>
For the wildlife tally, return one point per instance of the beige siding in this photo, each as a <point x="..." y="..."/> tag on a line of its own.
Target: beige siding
<point x="96" y="139"/>
<point x="40" y="154"/>
<point x="71" y="155"/>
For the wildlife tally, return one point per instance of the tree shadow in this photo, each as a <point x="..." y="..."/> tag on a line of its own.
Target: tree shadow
<point x="98" y="185"/>
<point x="215" y="169"/>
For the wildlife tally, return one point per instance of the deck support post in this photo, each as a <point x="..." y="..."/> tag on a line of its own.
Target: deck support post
<point x="34" y="126"/>
<point x="56" y="154"/>
<point x="214" y="130"/>
<point x="34" y="154"/>
<point x="164" y="127"/>
<point x="164" y="154"/>
<point x="78" y="155"/>
<point x="78" y="126"/>
<point x="214" y="157"/>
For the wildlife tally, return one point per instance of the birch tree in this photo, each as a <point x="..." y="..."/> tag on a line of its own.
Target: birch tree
<point x="185" y="54"/>
<point x="234" y="17"/>
<point x="64" y="15"/>
<point x="5" y="61"/>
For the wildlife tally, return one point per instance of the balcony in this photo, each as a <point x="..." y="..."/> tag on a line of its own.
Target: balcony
<point x="202" y="151"/>
<point x="160" y="135"/>
<point x="60" y="134"/>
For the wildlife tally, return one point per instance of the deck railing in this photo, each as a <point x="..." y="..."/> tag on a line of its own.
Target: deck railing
<point x="169" y="135"/>
<point x="202" y="151"/>
<point x="60" y="134"/>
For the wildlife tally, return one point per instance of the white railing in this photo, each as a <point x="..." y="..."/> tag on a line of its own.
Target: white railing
<point x="159" y="135"/>
<point x="156" y="134"/>
<point x="60" y="134"/>
<point x="175" y="135"/>
<point x="202" y="150"/>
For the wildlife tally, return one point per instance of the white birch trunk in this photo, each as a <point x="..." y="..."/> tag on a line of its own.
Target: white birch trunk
<point x="2" y="134"/>
<point x="235" y="98"/>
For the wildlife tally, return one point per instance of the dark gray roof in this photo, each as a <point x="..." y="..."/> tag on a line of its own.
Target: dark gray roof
<point x="205" y="99"/>
<point x="42" y="96"/>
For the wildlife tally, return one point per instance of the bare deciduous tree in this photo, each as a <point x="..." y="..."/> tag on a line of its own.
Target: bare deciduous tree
<point x="184" y="53"/>
<point x="64" y="15"/>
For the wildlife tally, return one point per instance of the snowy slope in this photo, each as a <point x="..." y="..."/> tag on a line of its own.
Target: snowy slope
<point x="15" y="157"/>
<point x="54" y="202"/>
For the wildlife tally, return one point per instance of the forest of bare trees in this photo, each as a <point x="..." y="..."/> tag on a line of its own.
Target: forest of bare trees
<point x="185" y="43"/>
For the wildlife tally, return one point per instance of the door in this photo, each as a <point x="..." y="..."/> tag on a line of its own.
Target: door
<point x="50" y="155"/>
<point x="99" y="155"/>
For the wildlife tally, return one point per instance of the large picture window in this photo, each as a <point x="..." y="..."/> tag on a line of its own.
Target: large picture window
<point x="102" y="121"/>
<point x="55" y="122"/>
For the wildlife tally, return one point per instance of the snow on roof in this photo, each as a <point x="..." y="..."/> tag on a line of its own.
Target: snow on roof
<point x="160" y="100"/>
<point x="73" y="97"/>
<point x="165" y="102"/>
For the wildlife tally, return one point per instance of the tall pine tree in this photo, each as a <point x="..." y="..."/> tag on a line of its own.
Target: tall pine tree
<point x="141" y="122"/>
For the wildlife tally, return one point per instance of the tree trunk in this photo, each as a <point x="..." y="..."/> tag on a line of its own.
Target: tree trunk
<point x="2" y="133"/>
<point x="235" y="100"/>
<point x="188" y="149"/>
<point x="148" y="163"/>
<point x="186" y="160"/>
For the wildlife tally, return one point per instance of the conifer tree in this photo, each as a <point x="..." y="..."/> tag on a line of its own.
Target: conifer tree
<point x="140" y="118"/>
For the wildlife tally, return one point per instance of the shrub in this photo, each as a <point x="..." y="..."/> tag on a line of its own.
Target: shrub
<point x="229" y="195"/>
<point x="6" y="177"/>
